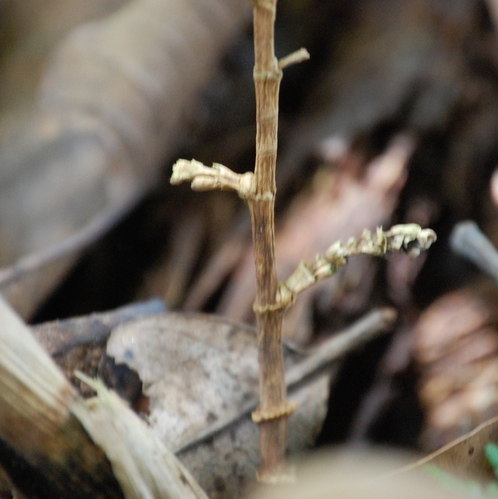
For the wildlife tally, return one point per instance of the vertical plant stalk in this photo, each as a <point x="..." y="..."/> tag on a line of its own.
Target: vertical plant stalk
<point x="274" y="408"/>
<point x="259" y="190"/>
<point x="272" y="297"/>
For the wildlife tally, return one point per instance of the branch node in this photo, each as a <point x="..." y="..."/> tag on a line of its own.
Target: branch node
<point x="266" y="5"/>
<point x="286" y="295"/>
<point x="247" y="185"/>
<point x="269" y="308"/>
<point x="294" y="58"/>
<point x="260" y="416"/>
<point x="264" y="196"/>
<point x="272" y="74"/>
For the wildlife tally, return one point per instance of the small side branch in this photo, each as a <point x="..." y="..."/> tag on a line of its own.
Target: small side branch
<point x="294" y="58"/>
<point x="206" y="178"/>
<point x="410" y="238"/>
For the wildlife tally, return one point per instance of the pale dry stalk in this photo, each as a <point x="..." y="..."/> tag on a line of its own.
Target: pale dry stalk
<point x="272" y="297"/>
<point x="274" y="409"/>
<point x="259" y="190"/>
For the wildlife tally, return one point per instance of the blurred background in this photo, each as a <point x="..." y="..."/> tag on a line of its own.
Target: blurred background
<point x="393" y="120"/>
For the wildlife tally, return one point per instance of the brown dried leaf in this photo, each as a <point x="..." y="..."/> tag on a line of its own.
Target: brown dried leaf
<point x="456" y="346"/>
<point x="199" y="371"/>
<point x="78" y="344"/>
<point x="465" y="457"/>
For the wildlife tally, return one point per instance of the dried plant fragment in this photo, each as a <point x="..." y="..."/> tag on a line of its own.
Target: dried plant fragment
<point x="205" y="178"/>
<point x="456" y="348"/>
<point x="407" y="237"/>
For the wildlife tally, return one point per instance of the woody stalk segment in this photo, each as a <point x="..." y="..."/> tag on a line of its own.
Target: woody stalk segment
<point x="259" y="190"/>
<point x="272" y="297"/>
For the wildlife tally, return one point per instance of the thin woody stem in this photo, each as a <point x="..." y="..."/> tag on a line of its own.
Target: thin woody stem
<point x="272" y="297"/>
<point x="274" y="408"/>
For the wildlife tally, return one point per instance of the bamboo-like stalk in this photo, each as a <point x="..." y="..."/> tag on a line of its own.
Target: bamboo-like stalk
<point x="259" y="190"/>
<point x="272" y="297"/>
<point x="274" y="408"/>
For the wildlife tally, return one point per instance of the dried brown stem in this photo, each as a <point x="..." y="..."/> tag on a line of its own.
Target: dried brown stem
<point x="259" y="190"/>
<point x="407" y="237"/>
<point x="205" y="178"/>
<point x="274" y="408"/>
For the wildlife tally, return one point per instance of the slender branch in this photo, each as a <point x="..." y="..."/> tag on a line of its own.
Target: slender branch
<point x="274" y="408"/>
<point x="408" y="237"/>
<point x="294" y="58"/>
<point x="259" y="190"/>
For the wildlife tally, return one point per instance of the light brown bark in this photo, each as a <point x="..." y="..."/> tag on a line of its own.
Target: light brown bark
<point x="272" y="413"/>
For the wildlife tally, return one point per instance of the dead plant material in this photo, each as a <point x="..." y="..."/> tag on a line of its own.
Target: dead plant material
<point x="307" y="229"/>
<point x="259" y="189"/>
<point x="272" y="297"/>
<point x="200" y="375"/>
<point x="456" y="347"/>
<point x="464" y="459"/>
<point x="54" y="444"/>
<point x="108" y="110"/>
<point x="78" y="344"/>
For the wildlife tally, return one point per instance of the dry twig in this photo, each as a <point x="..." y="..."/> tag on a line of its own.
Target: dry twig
<point x="272" y="298"/>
